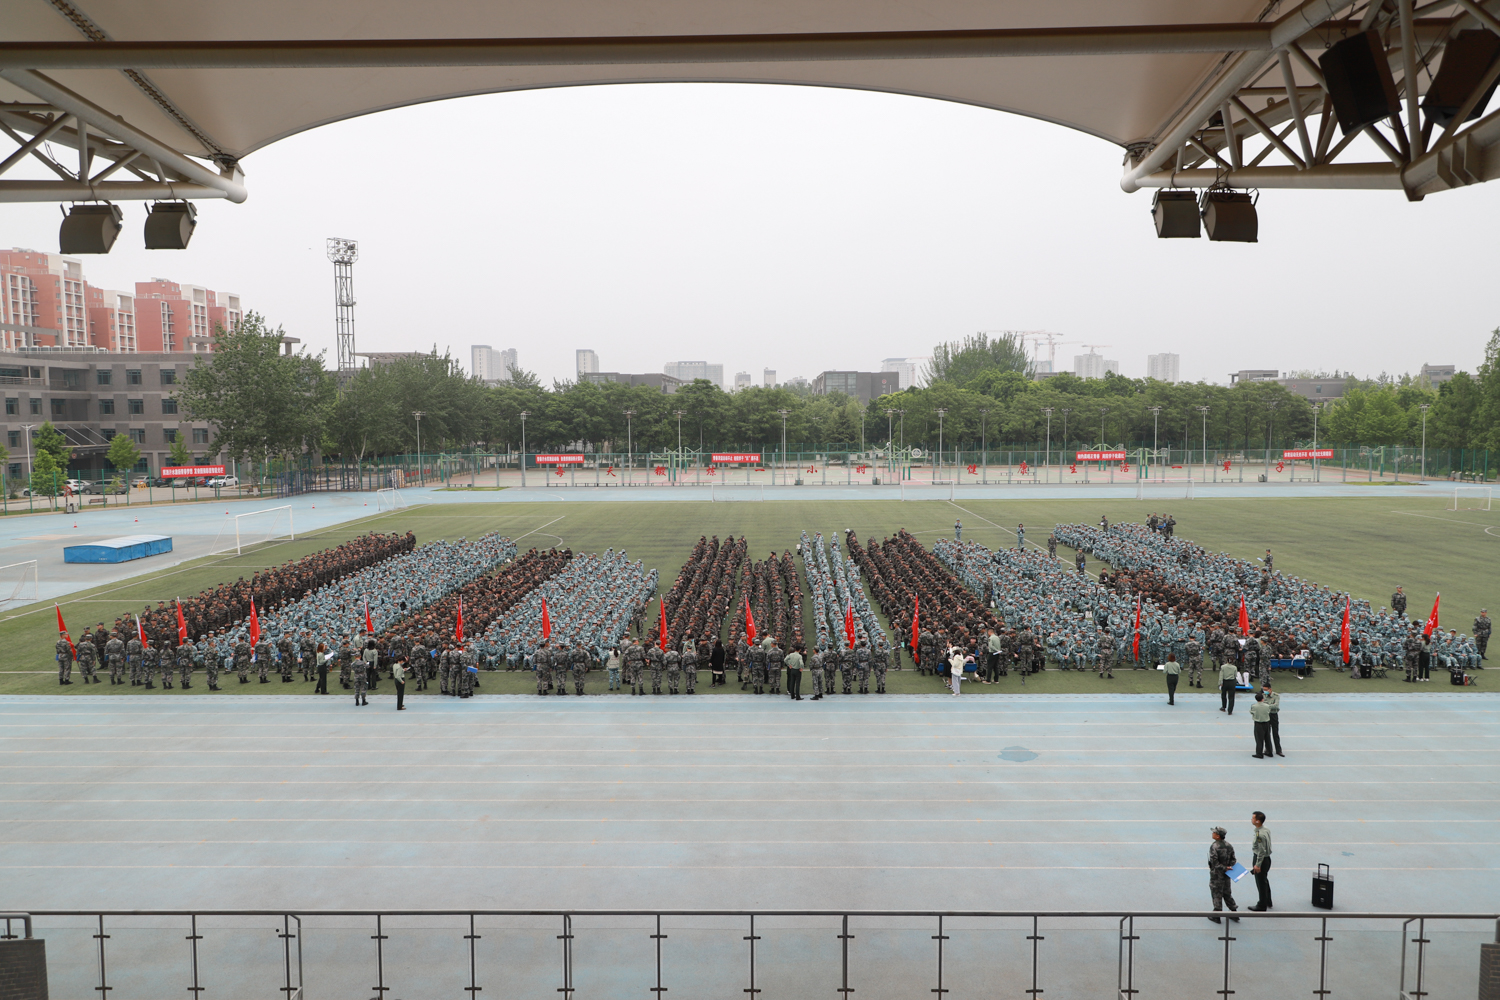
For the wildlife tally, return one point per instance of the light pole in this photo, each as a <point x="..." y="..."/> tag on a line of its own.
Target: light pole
<point x="524" y="415"/>
<point x="1102" y="411"/>
<point x="1204" y="410"/>
<point x="1155" y="431"/>
<point x="1317" y="475"/>
<point x="984" y="443"/>
<point x="1424" y="407"/>
<point x="935" y="466"/>
<point x="784" y="414"/>
<point x="1048" y="460"/>
<point x="629" y="444"/>
<point x="1270" y="430"/>
<point x="27" y="429"/>
<point x="419" y="414"/>
<point x="679" y="414"/>
<point x="890" y="442"/>
<point x="1065" y="411"/>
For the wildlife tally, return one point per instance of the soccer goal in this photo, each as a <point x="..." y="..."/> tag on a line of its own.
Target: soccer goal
<point x="1471" y="497"/>
<point x="19" y="584"/>
<point x="727" y="494"/>
<point x="1172" y="488"/>
<point x="389" y="499"/>
<point x="254" y="528"/>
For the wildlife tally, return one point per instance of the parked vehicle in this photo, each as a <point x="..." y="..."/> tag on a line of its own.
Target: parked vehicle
<point x="222" y="481"/>
<point x="112" y="487"/>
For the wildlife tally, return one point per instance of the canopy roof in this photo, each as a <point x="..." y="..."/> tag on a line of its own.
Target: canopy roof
<point x="218" y="79"/>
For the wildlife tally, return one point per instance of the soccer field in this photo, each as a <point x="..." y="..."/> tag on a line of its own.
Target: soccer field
<point x="1365" y="545"/>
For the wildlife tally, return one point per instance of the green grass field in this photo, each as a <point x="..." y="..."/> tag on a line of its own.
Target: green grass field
<point x="1366" y="545"/>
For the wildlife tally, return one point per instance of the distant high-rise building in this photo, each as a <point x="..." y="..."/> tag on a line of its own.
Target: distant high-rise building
<point x="687" y="371"/>
<point x="741" y="381"/>
<point x="905" y="369"/>
<point x="1436" y="375"/>
<point x="1162" y="367"/>
<point x="1093" y="365"/>
<point x="588" y="362"/>
<point x="768" y="377"/>
<point x="491" y="366"/>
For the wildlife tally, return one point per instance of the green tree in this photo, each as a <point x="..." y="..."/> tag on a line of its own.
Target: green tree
<point x="1383" y="420"/>
<point x="123" y="453"/>
<point x="178" y="450"/>
<point x="962" y="361"/>
<point x="1489" y="394"/>
<point x="46" y="474"/>
<point x="262" y="402"/>
<point x="50" y="440"/>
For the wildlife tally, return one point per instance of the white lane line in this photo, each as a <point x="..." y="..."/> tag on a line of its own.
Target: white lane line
<point x="1434" y="517"/>
<point x="597" y="842"/>
<point x="714" y="868"/>
<point x="1000" y="799"/>
<point x="674" y="764"/>
<point x="1113" y="821"/>
<point x="534" y="531"/>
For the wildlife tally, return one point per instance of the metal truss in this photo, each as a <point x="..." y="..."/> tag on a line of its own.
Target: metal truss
<point x="115" y="161"/>
<point x="1264" y="118"/>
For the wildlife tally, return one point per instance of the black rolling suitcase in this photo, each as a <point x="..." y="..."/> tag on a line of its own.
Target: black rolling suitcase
<point x="1322" y="889"/>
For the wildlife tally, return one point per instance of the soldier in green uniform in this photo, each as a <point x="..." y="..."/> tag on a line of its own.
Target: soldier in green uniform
<point x="1226" y="687"/>
<point x="150" y="664"/>
<point x="185" y="664"/>
<point x="88" y="659"/>
<point x="114" y="657"/>
<point x="64" y="659"/>
<point x="1220" y="860"/>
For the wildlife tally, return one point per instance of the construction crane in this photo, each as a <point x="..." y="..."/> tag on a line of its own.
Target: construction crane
<point x="1052" y="340"/>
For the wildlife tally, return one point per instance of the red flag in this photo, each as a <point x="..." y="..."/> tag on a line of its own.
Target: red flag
<point x="1344" y="633"/>
<point x="63" y="629"/>
<point x="1432" y="619"/>
<point x="1135" y="646"/>
<point x="254" y="624"/>
<point x="546" y="621"/>
<point x="662" y="637"/>
<point x="182" y="635"/>
<point x="140" y="633"/>
<point x="916" y="613"/>
<point x="369" y="625"/>
<point x="749" y="620"/>
<point x="460" y="619"/>
<point x="849" y="623"/>
<point x="1244" y="617"/>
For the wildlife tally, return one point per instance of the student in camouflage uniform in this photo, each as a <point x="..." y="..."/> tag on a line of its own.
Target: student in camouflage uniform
<point x="64" y="659"/>
<point x="881" y="660"/>
<point x="578" y="661"/>
<point x="634" y="660"/>
<point x="862" y="665"/>
<point x="541" y="662"/>
<point x="286" y="656"/>
<point x="261" y="654"/>
<point x="757" y="657"/>
<point x="1483" y="628"/>
<point x="242" y="657"/>
<point x="689" y="665"/>
<point x="656" y="660"/>
<point x="150" y="664"/>
<point x="1195" y="661"/>
<point x="114" y="657"/>
<point x="133" y="659"/>
<point x="185" y="664"/>
<point x="743" y="664"/>
<point x="816" y="663"/>
<point x="88" y="659"/>
<point x="212" y="659"/>
<point x="418" y="661"/>
<point x="1220" y="860"/>
<point x="673" y="661"/>
<point x="359" y="677"/>
<point x="775" y="658"/>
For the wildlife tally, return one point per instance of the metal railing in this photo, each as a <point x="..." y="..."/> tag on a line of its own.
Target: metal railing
<point x="867" y="953"/>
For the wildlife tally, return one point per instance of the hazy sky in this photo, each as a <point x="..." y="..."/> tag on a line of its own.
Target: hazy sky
<point x="801" y="229"/>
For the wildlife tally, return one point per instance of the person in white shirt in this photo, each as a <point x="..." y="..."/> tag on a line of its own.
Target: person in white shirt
<point x="956" y="666"/>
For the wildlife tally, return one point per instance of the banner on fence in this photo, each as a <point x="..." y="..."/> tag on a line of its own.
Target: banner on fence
<point x="732" y="457"/>
<point x="1101" y="456"/>
<point x="175" y="471"/>
<point x="1297" y="453"/>
<point x="559" y="460"/>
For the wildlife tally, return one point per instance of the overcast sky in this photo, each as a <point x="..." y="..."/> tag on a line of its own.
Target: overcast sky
<point x="801" y="229"/>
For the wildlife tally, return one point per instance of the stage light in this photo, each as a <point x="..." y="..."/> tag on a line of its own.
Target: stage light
<point x="90" y="229"/>
<point x="170" y="225"/>
<point x="1359" y="81"/>
<point x="1467" y="57"/>
<point x="1176" y="214"/>
<point x="1229" y="217"/>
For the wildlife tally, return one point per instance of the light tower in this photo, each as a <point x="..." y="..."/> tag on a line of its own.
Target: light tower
<point x="344" y="253"/>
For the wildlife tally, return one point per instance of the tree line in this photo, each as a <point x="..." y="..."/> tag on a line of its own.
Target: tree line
<point x="267" y="405"/>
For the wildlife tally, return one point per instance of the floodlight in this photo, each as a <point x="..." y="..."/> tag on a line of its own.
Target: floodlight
<point x="1176" y="214"/>
<point x="90" y="229"/>
<point x="1229" y="216"/>
<point x="170" y="225"/>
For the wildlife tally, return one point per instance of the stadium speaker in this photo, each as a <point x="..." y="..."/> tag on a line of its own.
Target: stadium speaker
<point x="1359" y="81"/>
<point x="170" y="225"/>
<point x="90" y="229"/>
<point x="1467" y="57"/>
<point x="1229" y="217"/>
<point x="1176" y="215"/>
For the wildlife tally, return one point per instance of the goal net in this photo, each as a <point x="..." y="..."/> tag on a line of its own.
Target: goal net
<point x="1471" y="497"/>
<point x="240" y="531"/>
<point x="389" y="499"/>
<point x="725" y="494"/>
<point x="19" y="584"/>
<point x="1173" y="488"/>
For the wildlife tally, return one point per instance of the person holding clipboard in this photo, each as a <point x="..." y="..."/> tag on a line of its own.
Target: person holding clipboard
<point x="1223" y="872"/>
